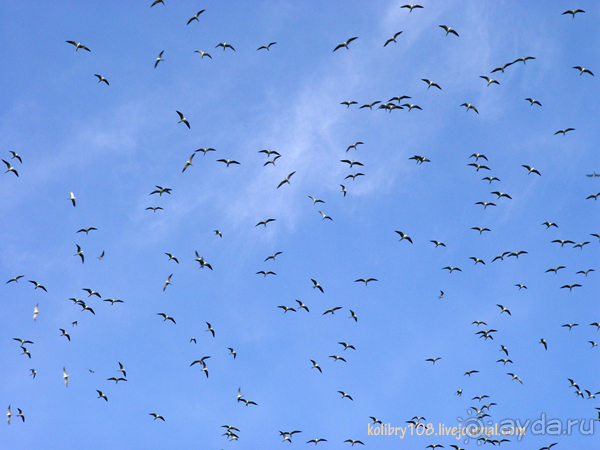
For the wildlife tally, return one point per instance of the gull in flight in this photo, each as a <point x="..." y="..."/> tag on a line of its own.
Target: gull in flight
<point x="449" y="30"/>
<point x="287" y="180"/>
<point x="344" y="44"/>
<point x="266" y="46"/>
<point x="188" y="163"/>
<point x="533" y="102"/>
<point x="531" y="169"/>
<point x="195" y="17"/>
<point x="183" y="119"/>
<point x="78" y="45"/>
<point x="72" y="198"/>
<point x="410" y="8"/>
<point x="469" y="106"/>
<point x="157" y="416"/>
<point x="265" y="222"/>
<point x="393" y="38"/>
<point x="165" y="317"/>
<point x="489" y="80"/>
<point x="317" y="285"/>
<point x="324" y="216"/>
<point x="225" y="45"/>
<point x="159" y="59"/>
<point x="430" y="83"/>
<point x="101" y="78"/>
<point x="203" y="54"/>
<point x="404" y="236"/>
<point x="66" y="377"/>
<point x="79" y="253"/>
<point x="573" y="12"/>
<point x="564" y="131"/>
<point x="228" y="161"/>
<point x="167" y="282"/>
<point x="583" y="70"/>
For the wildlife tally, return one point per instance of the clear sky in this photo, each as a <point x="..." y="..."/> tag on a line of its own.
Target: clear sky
<point x="112" y="144"/>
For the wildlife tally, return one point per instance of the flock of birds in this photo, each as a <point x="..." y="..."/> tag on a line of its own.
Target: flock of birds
<point x="398" y="102"/>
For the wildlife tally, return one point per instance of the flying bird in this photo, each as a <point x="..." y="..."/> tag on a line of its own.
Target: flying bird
<point x="66" y="377"/>
<point x="344" y="44"/>
<point x="572" y="12"/>
<point x="411" y="7"/>
<point x="267" y="47"/>
<point x="514" y="377"/>
<point x="503" y="309"/>
<point x="430" y="83"/>
<point x="161" y="190"/>
<point x="203" y="54"/>
<point x="188" y="163"/>
<point x="583" y="70"/>
<point x="344" y="395"/>
<point x="469" y="106"/>
<point x="72" y="198"/>
<point x="78" y="45"/>
<point x="533" y="102"/>
<point x="166" y="317"/>
<point x="210" y="328"/>
<point x="101" y="395"/>
<point x="531" y="169"/>
<point x="365" y="280"/>
<point x="324" y="216"/>
<point x="489" y="80"/>
<point x="79" y="253"/>
<point x="183" y="119"/>
<point x="225" y="45"/>
<point x="393" y="38"/>
<point x="449" y="30"/>
<point x="332" y="310"/>
<point x="286" y="180"/>
<point x="195" y="17"/>
<point x="523" y="58"/>
<point x="403" y="236"/>
<point x="501" y="68"/>
<point x="157" y="416"/>
<point x="564" y="131"/>
<point x="228" y="161"/>
<point x="158" y="59"/>
<point x="273" y="256"/>
<point x="264" y="222"/>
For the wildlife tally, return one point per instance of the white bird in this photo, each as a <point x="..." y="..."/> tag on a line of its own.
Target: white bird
<point x="393" y="38"/>
<point x="203" y="54"/>
<point x="449" y="30"/>
<point x="66" y="377"/>
<point x="159" y="59"/>
<point x="78" y="45"/>
<point x="183" y="119"/>
<point x="344" y="44"/>
<point x="101" y="78"/>
<point x="168" y="282"/>
<point x="10" y="168"/>
<point x="225" y="45"/>
<point x="469" y="106"/>
<point x="267" y="47"/>
<point x="195" y="17"/>
<point x="188" y="162"/>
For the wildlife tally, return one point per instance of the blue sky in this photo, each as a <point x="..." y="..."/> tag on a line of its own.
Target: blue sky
<point x="111" y="145"/>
